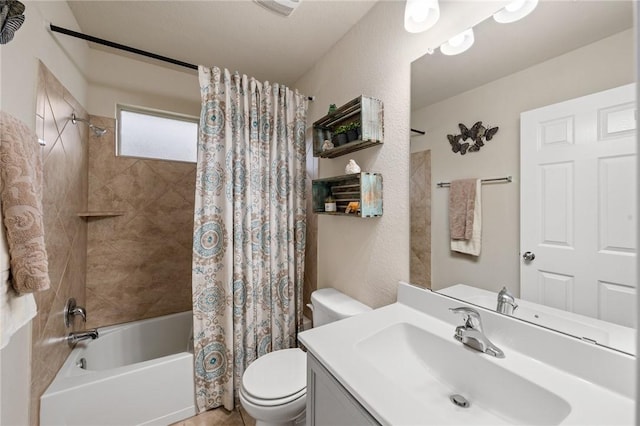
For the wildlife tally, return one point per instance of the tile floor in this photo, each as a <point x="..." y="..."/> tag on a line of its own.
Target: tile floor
<point x="219" y="417"/>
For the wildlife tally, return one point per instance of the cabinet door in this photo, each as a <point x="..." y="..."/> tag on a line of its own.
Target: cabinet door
<point x="330" y="404"/>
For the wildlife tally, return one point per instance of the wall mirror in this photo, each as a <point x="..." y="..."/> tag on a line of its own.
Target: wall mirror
<point x="560" y="52"/>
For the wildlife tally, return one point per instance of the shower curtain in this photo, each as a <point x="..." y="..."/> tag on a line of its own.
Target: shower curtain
<point x="249" y="228"/>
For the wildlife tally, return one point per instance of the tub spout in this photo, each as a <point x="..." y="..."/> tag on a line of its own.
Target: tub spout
<point x="78" y="336"/>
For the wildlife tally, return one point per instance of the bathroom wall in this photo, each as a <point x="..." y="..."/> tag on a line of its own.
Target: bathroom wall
<point x="64" y="196"/>
<point x="139" y="261"/>
<point x="66" y="58"/>
<point x="365" y="258"/>
<point x="139" y="81"/>
<point x="499" y="103"/>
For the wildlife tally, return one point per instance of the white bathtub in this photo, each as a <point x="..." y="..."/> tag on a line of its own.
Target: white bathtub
<point x="139" y="373"/>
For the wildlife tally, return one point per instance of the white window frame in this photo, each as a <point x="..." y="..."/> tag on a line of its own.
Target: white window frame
<point x="155" y="113"/>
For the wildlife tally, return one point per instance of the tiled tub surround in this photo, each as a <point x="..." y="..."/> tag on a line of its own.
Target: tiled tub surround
<point x="65" y="158"/>
<point x="139" y="263"/>
<point x="420" y="213"/>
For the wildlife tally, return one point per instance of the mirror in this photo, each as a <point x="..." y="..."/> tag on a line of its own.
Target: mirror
<point x="561" y="51"/>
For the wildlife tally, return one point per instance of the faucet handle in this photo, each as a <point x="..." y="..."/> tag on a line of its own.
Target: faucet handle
<point x="71" y="310"/>
<point x="471" y="317"/>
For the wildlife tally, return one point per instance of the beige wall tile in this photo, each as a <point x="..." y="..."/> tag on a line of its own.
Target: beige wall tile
<point x="138" y="264"/>
<point x="420" y="218"/>
<point x="64" y="194"/>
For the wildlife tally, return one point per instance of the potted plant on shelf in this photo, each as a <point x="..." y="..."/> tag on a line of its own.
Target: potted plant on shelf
<point x="340" y="135"/>
<point x="353" y="131"/>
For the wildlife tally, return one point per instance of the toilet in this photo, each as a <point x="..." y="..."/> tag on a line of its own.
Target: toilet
<point x="274" y="387"/>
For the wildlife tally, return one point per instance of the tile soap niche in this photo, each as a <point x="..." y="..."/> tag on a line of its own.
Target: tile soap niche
<point x="356" y="125"/>
<point x="357" y="194"/>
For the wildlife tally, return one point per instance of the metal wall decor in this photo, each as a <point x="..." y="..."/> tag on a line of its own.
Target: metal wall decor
<point x="478" y="135"/>
<point x="11" y="19"/>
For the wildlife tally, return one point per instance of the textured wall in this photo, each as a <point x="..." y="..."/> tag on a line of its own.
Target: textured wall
<point x="139" y="263"/>
<point x="420" y="222"/>
<point x="365" y="258"/>
<point x="65" y="194"/>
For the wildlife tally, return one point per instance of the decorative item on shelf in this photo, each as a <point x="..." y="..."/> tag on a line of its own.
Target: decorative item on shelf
<point x="352" y="167"/>
<point x="327" y="145"/>
<point x="352" y="207"/>
<point x="352" y="131"/>
<point x="478" y="135"/>
<point x="11" y="19"/>
<point x="332" y="109"/>
<point x="330" y="204"/>
<point x="340" y="136"/>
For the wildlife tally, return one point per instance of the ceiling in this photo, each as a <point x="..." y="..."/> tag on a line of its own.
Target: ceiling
<point x="235" y="34"/>
<point x="552" y="29"/>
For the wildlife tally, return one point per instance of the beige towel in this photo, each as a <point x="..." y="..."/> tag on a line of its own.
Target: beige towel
<point x="473" y="245"/>
<point x="462" y="198"/>
<point x="21" y="196"/>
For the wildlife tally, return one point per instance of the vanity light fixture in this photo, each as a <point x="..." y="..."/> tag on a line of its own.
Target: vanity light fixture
<point x="459" y="43"/>
<point x="515" y="11"/>
<point x="420" y="15"/>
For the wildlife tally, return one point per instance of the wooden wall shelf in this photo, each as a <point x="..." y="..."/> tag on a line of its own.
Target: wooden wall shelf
<point x="364" y="188"/>
<point x="364" y="110"/>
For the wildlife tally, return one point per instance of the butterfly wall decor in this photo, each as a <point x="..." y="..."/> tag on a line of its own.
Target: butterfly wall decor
<point x="477" y="136"/>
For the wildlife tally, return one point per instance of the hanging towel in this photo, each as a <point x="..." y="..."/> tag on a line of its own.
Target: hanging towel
<point x="472" y="219"/>
<point x="462" y="198"/>
<point x="21" y="198"/>
<point x="15" y="310"/>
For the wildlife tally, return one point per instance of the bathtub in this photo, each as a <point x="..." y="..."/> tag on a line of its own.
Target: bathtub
<point x="139" y="373"/>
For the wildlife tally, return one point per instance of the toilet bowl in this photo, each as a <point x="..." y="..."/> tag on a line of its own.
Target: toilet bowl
<point x="274" y="387"/>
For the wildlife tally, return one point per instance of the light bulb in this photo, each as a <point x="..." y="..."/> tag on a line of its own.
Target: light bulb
<point x="420" y="12"/>
<point x="515" y="11"/>
<point x="420" y="15"/>
<point x="514" y="5"/>
<point x="458" y="43"/>
<point x="457" y="40"/>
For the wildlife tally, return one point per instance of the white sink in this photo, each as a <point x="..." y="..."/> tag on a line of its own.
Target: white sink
<point x="433" y="369"/>
<point x="401" y="364"/>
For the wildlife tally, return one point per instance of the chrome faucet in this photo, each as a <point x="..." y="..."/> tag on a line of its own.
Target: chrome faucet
<point x="71" y="310"/>
<point x="506" y="302"/>
<point x="78" y="336"/>
<point x="471" y="333"/>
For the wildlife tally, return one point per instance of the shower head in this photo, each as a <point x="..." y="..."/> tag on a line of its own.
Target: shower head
<point x="98" y="131"/>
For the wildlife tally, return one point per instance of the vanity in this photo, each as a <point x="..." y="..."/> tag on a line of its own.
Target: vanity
<point x="401" y="365"/>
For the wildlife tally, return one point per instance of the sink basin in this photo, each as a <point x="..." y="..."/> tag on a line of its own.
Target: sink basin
<point x="432" y="369"/>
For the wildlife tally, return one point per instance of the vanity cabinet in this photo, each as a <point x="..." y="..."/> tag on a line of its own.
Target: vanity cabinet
<point x="363" y="191"/>
<point x="361" y="118"/>
<point x="328" y="402"/>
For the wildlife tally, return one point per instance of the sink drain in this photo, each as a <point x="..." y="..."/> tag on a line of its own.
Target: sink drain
<point x="459" y="400"/>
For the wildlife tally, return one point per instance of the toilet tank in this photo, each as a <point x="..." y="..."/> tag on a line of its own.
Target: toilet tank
<point x="328" y="305"/>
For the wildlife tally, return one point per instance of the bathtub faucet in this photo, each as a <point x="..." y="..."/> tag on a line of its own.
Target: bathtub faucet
<point x="78" y="336"/>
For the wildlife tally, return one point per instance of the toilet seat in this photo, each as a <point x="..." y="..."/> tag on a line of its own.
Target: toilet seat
<point x="276" y="378"/>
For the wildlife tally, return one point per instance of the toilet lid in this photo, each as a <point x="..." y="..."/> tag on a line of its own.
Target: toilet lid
<point x="276" y="375"/>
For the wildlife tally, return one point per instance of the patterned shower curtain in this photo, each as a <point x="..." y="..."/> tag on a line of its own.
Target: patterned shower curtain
<point x="249" y="228"/>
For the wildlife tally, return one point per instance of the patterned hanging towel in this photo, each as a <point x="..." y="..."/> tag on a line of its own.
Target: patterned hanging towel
<point x="21" y="201"/>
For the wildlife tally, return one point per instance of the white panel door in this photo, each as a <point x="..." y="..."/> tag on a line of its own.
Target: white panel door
<point x="578" y="205"/>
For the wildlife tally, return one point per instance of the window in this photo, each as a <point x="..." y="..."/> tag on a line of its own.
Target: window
<point x="146" y="133"/>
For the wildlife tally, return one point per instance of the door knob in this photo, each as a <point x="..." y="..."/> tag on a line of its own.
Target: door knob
<point x="528" y="256"/>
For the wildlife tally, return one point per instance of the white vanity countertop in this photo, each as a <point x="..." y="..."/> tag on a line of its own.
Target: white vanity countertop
<point x="338" y="347"/>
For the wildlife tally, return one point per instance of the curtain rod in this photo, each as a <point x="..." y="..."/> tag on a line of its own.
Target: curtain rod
<point x="502" y="179"/>
<point x="65" y="31"/>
